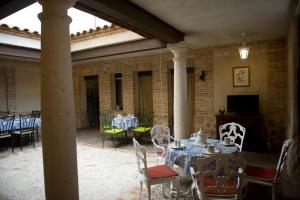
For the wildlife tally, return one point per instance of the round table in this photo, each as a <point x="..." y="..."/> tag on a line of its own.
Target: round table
<point x="186" y="157"/>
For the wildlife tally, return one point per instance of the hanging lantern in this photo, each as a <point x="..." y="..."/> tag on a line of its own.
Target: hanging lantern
<point x="243" y="49"/>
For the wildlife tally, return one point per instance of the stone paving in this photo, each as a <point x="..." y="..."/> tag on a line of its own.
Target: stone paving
<point x="105" y="173"/>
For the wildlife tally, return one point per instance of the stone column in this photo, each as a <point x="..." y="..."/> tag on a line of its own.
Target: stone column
<point x="57" y="102"/>
<point x="180" y="90"/>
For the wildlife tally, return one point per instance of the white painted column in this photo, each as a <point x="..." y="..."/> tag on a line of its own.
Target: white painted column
<point x="180" y="90"/>
<point x="57" y="102"/>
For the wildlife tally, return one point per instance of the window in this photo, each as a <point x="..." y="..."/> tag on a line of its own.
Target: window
<point x="118" y="92"/>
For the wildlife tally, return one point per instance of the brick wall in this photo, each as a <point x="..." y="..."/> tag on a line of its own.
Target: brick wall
<point x="277" y="92"/>
<point x="200" y="59"/>
<point x="204" y="106"/>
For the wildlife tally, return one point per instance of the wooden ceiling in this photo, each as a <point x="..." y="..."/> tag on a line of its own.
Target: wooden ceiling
<point x="121" y="12"/>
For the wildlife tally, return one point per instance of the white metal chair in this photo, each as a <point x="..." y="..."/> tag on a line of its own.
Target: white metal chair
<point x="161" y="138"/>
<point x="235" y="132"/>
<point x="268" y="176"/>
<point x="151" y="175"/>
<point x="218" y="177"/>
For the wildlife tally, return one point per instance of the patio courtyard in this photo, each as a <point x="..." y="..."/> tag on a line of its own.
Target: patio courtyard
<point x="99" y="171"/>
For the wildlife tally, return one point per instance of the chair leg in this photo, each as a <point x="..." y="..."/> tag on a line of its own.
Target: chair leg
<point x="141" y="189"/>
<point x="37" y="134"/>
<point x="149" y="191"/>
<point x="102" y="138"/>
<point x="12" y="142"/>
<point x="273" y="192"/>
<point x="32" y="138"/>
<point x="20" y="140"/>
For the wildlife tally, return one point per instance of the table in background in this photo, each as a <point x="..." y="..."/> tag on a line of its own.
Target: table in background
<point x="186" y="157"/>
<point x="17" y="121"/>
<point x="125" y="123"/>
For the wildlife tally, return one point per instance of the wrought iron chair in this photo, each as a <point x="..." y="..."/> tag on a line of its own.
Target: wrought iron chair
<point x="159" y="174"/>
<point x="235" y="132"/>
<point x="218" y="177"/>
<point x="161" y="138"/>
<point x="6" y="126"/>
<point x="26" y="129"/>
<point x="145" y="122"/>
<point x="107" y="129"/>
<point x="3" y="114"/>
<point x="36" y="114"/>
<point x="268" y="176"/>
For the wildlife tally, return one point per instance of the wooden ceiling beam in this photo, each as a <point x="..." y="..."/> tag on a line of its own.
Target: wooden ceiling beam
<point x="118" y="49"/>
<point x="10" y="51"/>
<point x="128" y="15"/>
<point x="8" y="7"/>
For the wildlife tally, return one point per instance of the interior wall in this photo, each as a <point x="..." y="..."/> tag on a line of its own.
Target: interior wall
<point x="24" y="93"/>
<point x="225" y="59"/>
<point x="28" y="88"/>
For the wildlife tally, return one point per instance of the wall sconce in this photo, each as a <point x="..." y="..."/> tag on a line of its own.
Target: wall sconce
<point x="243" y="49"/>
<point x="202" y="75"/>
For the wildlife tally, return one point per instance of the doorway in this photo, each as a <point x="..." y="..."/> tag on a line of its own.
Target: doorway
<point x="190" y="98"/>
<point x="144" y="94"/>
<point x="92" y="100"/>
<point x="3" y="90"/>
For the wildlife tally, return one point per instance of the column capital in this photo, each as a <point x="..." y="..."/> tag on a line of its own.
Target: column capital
<point x="178" y="49"/>
<point x="56" y="7"/>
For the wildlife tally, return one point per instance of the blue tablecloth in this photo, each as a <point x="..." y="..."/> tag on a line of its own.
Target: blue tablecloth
<point x="16" y="124"/>
<point x="186" y="157"/>
<point x="125" y="122"/>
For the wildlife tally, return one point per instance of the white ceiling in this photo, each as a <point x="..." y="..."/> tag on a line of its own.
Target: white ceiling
<point x="216" y="22"/>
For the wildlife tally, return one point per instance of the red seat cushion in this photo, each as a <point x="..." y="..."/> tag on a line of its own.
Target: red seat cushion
<point x="160" y="171"/>
<point x="259" y="172"/>
<point x="211" y="182"/>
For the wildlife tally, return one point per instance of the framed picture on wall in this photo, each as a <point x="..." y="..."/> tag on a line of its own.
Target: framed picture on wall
<point x="241" y="76"/>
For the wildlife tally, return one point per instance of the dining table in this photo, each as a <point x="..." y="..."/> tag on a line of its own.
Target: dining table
<point x="186" y="155"/>
<point x="125" y="122"/>
<point x="17" y="122"/>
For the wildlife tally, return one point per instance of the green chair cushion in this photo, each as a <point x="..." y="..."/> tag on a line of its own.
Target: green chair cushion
<point x="107" y="127"/>
<point x="142" y="129"/>
<point x="113" y="131"/>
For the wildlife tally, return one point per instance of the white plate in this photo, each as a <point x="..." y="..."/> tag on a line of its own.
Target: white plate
<point x="182" y="146"/>
<point x="211" y="153"/>
<point x="199" y="145"/>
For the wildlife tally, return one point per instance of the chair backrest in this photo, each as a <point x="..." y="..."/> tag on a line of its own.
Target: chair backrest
<point x="235" y="132"/>
<point x="27" y="122"/>
<point x="282" y="158"/>
<point x="6" y="124"/>
<point x="160" y="135"/>
<point x="36" y="113"/>
<point x="3" y="114"/>
<point x="105" y="120"/>
<point x="141" y="157"/>
<point x="145" y="119"/>
<point x="219" y="175"/>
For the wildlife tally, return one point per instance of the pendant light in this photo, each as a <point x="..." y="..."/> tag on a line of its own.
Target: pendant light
<point x="243" y="49"/>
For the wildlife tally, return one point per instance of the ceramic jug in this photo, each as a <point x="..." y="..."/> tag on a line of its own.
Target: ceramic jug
<point x="201" y="137"/>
